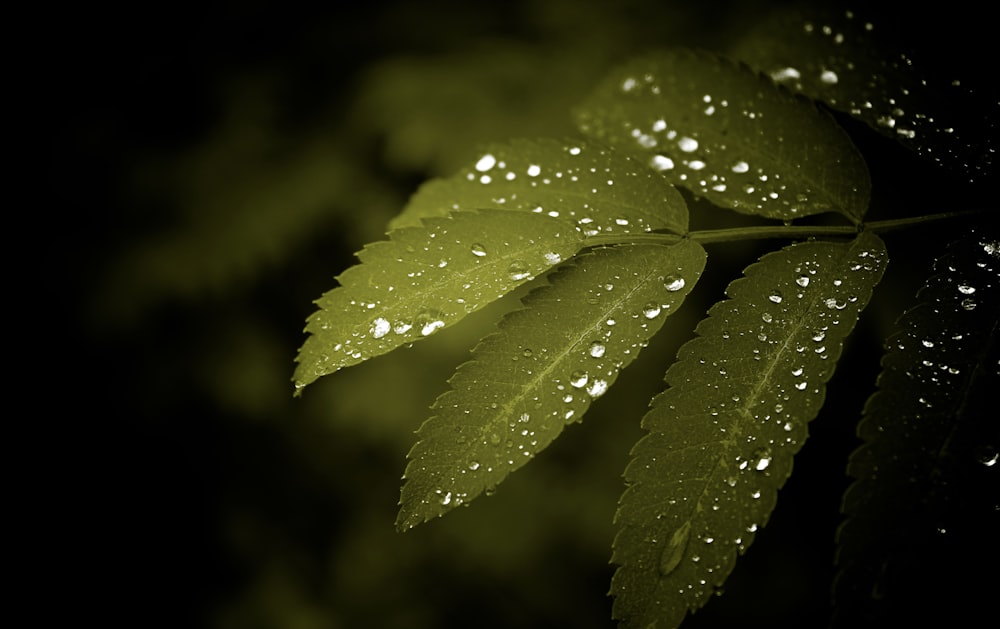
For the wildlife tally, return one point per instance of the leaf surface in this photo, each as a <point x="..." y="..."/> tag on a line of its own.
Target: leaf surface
<point x="425" y="278"/>
<point x="730" y="135"/>
<point x="930" y="439"/>
<point x="542" y="369"/>
<point x="601" y="190"/>
<point x="852" y="65"/>
<point x="721" y="437"/>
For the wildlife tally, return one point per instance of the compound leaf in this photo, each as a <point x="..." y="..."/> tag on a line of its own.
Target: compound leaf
<point x="852" y="65"/>
<point x="730" y="135"/>
<point x="601" y="190"/>
<point x="929" y="440"/>
<point x="541" y="370"/>
<point x="722" y="436"/>
<point x="425" y="278"/>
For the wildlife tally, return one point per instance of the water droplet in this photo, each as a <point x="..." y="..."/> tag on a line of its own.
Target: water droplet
<point x="518" y="271"/>
<point x="597" y="388"/>
<point x="553" y="258"/>
<point x="579" y="378"/>
<point x="688" y="145"/>
<point x="478" y="250"/>
<point x="761" y="459"/>
<point x="987" y="456"/>
<point x="966" y="290"/>
<point x="485" y="163"/>
<point x="431" y="327"/>
<point x="741" y="167"/>
<point x="802" y="281"/>
<point x="380" y="327"/>
<point x="674" y="550"/>
<point x="527" y="353"/>
<point x="829" y="77"/>
<point x="534" y="170"/>
<point x="968" y="304"/>
<point x="775" y="297"/>
<point x="473" y="465"/>
<point x="651" y="310"/>
<point x="597" y="349"/>
<point x="673" y="284"/>
<point x="661" y="162"/>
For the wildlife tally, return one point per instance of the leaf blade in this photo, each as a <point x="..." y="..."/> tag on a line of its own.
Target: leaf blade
<point x="602" y="190"/>
<point x="852" y="65"/>
<point x="927" y="441"/>
<point x="424" y="278"/>
<point x="722" y="436"/>
<point x="730" y="135"/>
<point x="541" y="370"/>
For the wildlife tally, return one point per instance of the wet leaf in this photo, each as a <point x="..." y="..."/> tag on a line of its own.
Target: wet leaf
<point x="722" y="436"/>
<point x="855" y="66"/>
<point x="542" y="369"/>
<point x="730" y="135"/>
<point x="601" y="190"/>
<point x="929" y="434"/>
<point x="425" y="278"/>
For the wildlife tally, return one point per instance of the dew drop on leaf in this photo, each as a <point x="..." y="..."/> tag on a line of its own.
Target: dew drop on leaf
<point x="485" y="163"/>
<point x="651" y="310"/>
<point x="673" y="284"/>
<point x="518" y="271"/>
<point x="478" y="250"/>
<point x="380" y="327"/>
<point x="671" y="556"/>
<point x="597" y="388"/>
<point x="761" y="459"/>
<point x="579" y="379"/>
<point x="597" y="349"/>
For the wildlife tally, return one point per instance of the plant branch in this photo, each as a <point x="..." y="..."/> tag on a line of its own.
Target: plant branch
<point x="791" y="232"/>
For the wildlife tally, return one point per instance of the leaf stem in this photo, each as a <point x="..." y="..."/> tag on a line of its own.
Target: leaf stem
<point x="791" y="232"/>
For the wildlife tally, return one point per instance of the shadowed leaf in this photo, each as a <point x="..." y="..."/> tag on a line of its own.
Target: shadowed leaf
<point x="853" y="65"/>
<point x="929" y="433"/>
<point x="541" y="370"/>
<point x="722" y="436"/>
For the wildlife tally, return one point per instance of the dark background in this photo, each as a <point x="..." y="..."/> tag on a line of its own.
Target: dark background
<point x="209" y="170"/>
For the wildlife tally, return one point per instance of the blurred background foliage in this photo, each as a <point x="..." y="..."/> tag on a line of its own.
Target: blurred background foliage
<point x="213" y="167"/>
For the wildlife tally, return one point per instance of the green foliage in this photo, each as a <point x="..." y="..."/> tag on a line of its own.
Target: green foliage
<point x="597" y="235"/>
<point x="722" y="436"/>
<point x="729" y="135"/>
<point x="541" y="370"/>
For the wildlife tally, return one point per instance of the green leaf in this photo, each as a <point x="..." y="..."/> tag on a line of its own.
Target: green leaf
<point x="929" y="438"/>
<point x="601" y="190"/>
<point x="730" y="135"/>
<point x="722" y="436"/>
<point x="542" y="369"/>
<point x="425" y="278"/>
<point x="853" y="65"/>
